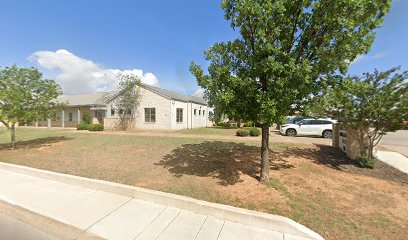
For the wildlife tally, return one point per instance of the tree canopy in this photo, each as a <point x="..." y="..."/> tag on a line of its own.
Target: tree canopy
<point x="373" y="104"/>
<point x="25" y="96"/>
<point x="285" y="50"/>
<point x="127" y="99"/>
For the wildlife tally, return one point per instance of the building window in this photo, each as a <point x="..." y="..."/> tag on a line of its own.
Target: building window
<point x="195" y="111"/>
<point x="150" y="115"/>
<point x="120" y="111"/>
<point x="179" y="115"/>
<point x="129" y="112"/>
<point x="112" y="112"/>
<point x="199" y="112"/>
<point x="203" y="112"/>
<point x="70" y="116"/>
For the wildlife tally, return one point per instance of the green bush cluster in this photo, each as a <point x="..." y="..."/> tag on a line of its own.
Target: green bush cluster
<point x="90" y="127"/>
<point x="232" y="125"/>
<point x="82" y="126"/>
<point x="367" y="162"/>
<point x="86" y="118"/>
<point x="249" y="124"/>
<point x="254" y="132"/>
<point x="95" y="127"/>
<point x="242" y="132"/>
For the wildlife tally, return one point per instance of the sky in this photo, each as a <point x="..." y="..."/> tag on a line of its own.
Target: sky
<point x="83" y="45"/>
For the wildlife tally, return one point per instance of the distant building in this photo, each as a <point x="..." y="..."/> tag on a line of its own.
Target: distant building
<point x="158" y="109"/>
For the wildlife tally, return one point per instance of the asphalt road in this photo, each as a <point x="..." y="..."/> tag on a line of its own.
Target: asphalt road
<point x="12" y="229"/>
<point x="396" y="141"/>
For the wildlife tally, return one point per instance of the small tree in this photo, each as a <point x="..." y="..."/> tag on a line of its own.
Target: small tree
<point x="284" y="49"/>
<point x="126" y="100"/>
<point x="25" y="97"/>
<point x="86" y="118"/>
<point x="372" y="105"/>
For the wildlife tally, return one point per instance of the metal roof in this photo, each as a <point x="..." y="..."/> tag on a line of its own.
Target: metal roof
<point x="102" y="98"/>
<point x="91" y="99"/>
<point x="173" y="95"/>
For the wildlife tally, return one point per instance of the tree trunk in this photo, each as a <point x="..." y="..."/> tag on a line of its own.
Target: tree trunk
<point x="361" y="143"/>
<point x="13" y="135"/>
<point x="265" y="154"/>
<point x="239" y="123"/>
<point x="370" y="149"/>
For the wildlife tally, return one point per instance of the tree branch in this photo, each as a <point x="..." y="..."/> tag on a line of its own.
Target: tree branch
<point x="297" y="14"/>
<point x="5" y="124"/>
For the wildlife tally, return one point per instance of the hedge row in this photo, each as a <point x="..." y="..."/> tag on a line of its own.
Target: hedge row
<point x="250" y="131"/>
<point x="90" y="127"/>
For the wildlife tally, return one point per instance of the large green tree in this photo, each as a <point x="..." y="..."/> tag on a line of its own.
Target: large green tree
<point x="285" y="49"/>
<point x="25" y="96"/>
<point x="372" y="105"/>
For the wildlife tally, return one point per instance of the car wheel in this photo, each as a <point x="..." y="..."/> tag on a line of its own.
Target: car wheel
<point x="327" y="134"/>
<point x="291" y="132"/>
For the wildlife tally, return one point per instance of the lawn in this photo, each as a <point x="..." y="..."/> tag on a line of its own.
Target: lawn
<point x="313" y="184"/>
<point x="210" y="130"/>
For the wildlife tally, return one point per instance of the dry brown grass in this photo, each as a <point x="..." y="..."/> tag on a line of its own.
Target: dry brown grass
<point x="313" y="184"/>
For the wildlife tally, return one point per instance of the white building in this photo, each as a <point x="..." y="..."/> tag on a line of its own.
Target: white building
<point x="158" y="109"/>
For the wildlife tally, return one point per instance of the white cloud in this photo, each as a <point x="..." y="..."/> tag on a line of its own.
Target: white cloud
<point x="364" y="57"/>
<point x="77" y="75"/>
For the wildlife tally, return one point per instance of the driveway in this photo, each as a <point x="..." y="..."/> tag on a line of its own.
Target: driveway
<point x="275" y="136"/>
<point x="396" y="141"/>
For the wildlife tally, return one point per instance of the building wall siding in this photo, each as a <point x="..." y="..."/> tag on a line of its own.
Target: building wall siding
<point x="148" y="99"/>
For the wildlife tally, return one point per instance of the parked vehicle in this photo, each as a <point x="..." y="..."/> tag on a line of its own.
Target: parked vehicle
<point x="308" y="127"/>
<point x="295" y="120"/>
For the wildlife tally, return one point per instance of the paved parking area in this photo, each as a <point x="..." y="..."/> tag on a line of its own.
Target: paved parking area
<point x="275" y="136"/>
<point x="396" y="141"/>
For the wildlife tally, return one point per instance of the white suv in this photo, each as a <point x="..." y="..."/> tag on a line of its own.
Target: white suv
<point x="308" y="127"/>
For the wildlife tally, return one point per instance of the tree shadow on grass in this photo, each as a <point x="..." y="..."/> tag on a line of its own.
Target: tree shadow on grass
<point x="323" y="155"/>
<point x="224" y="161"/>
<point x="35" y="143"/>
<point x="229" y="161"/>
<point x="338" y="160"/>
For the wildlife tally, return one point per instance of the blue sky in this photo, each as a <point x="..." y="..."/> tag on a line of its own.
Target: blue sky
<point x="155" y="39"/>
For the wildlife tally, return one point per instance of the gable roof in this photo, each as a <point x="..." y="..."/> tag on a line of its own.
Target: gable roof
<point x="173" y="95"/>
<point x="102" y="98"/>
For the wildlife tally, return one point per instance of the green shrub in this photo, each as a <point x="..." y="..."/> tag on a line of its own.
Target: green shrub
<point x="254" y="132"/>
<point x="367" y="162"/>
<point x="249" y="124"/>
<point x="95" y="127"/>
<point x="232" y="125"/>
<point x="86" y="118"/>
<point x="242" y="133"/>
<point x="221" y="124"/>
<point x="82" y="126"/>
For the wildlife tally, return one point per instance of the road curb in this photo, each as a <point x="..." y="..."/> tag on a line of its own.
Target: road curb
<point x="45" y="224"/>
<point x="244" y="216"/>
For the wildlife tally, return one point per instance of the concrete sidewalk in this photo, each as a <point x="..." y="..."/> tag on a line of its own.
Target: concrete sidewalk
<point x="106" y="215"/>
<point x="394" y="159"/>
